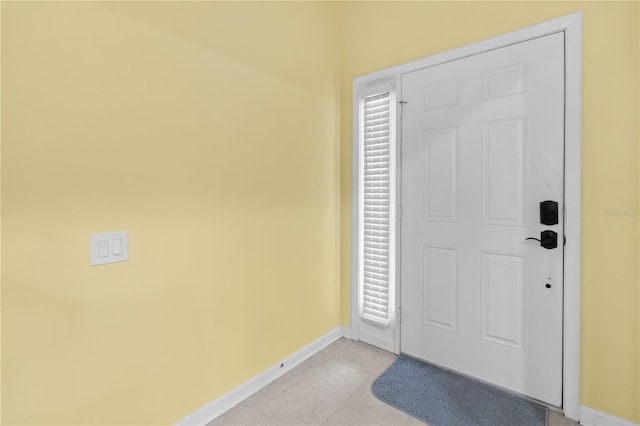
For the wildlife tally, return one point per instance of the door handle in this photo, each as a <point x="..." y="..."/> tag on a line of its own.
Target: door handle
<point x="548" y="239"/>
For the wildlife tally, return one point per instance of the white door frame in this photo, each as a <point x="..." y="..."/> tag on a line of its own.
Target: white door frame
<point x="571" y="25"/>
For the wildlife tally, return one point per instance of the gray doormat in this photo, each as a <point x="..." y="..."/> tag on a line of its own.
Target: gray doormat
<point x="443" y="398"/>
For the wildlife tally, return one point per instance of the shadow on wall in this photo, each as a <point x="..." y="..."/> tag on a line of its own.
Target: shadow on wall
<point x="240" y="32"/>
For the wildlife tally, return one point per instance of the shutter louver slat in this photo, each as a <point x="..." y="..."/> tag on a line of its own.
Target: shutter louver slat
<point x="376" y="207"/>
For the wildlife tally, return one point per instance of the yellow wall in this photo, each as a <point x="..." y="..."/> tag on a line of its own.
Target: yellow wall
<point x="218" y="135"/>
<point x="209" y="132"/>
<point x="610" y="374"/>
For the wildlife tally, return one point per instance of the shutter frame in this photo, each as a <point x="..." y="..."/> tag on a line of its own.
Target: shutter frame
<point x="377" y="204"/>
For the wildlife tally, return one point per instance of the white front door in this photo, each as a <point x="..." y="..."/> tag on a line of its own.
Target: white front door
<point x="482" y="146"/>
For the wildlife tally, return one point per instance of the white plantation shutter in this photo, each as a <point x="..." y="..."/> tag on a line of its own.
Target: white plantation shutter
<point x="376" y="207"/>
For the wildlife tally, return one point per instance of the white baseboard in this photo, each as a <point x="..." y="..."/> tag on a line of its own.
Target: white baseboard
<point x="591" y="417"/>
<point x="218" y="407"/>
<point x="346" y="332"/>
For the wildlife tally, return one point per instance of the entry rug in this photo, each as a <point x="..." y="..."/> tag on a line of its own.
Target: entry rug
<point x="443" y="398"/>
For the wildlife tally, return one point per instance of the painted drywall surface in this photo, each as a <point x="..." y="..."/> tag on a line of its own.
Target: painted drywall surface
<point x="377" y="35"/>
<point x="0" y="220"/>
<point x="208" y="131"/>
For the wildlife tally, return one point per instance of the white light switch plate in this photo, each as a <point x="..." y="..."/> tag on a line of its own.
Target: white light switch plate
<point x="109" y="247"/>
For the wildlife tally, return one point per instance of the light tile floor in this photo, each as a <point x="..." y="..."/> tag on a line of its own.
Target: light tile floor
<point x="330" y="388"/>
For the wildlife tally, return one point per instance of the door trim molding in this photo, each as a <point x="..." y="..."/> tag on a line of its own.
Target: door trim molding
<point x="571" y="25"/>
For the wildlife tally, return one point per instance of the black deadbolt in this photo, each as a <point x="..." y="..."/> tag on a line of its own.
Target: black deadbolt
<point x="549" y="212"/>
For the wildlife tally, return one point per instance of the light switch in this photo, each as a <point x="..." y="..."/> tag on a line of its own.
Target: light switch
<point x="116" y="249"/>
<point x="103" y="248"/>
<point x="109" y="247"/>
